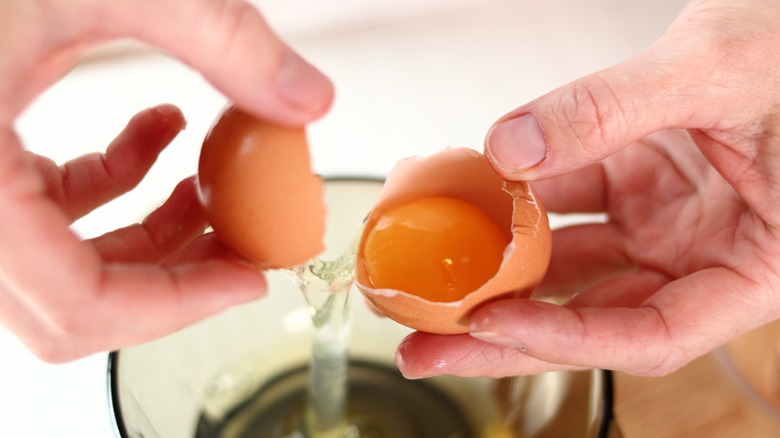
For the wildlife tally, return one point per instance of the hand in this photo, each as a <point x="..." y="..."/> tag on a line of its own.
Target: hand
<point x="679" y="147"/>
<point x="66" y="298"/>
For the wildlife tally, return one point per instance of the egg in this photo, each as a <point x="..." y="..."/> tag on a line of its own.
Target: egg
<point x="446" y="235"/>
<point x="259" y="192"/>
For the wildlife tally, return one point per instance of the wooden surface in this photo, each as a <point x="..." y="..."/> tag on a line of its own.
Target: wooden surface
<point x="705" y="399"/>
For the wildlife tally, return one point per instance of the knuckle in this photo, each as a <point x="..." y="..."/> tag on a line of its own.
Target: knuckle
<point x="593" y="112"/>
<point x="663" y="361"/>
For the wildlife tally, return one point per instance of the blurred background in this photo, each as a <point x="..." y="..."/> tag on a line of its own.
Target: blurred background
<point x="412" y="77"/>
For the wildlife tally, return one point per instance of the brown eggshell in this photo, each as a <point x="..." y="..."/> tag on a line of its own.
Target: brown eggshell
<point x="259" y="192"/>
<point x="464" y="174"/>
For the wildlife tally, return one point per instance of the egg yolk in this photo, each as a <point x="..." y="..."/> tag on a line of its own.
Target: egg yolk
<point x="438" y="248"/>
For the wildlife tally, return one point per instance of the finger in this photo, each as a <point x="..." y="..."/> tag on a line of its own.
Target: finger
<point x="138" y="303"/>
<point x="166" y="231"/>
<point x="684" y="319"/>
<point x="423" y="355"/>
<point x="233" y="46"/>
<point x="611" y="338"/>
<point x="81" y="185"/>
<point x="204" y="248"/>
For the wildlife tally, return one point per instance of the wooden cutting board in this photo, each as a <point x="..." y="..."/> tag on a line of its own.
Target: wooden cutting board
<point x="705" y="398"/>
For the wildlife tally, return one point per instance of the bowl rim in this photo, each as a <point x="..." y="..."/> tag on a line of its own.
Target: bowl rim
<point x="112" y="386"/>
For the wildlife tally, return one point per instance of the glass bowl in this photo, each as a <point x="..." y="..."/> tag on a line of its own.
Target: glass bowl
<point x="241" y="373"/>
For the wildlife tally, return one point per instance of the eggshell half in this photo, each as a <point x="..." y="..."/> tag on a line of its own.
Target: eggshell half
<point x="464" y="174"/>
<point x="259" y="192"/>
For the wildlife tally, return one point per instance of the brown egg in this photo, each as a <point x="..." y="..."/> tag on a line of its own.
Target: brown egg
<point x="463" y="175"/>
<point x="259" y="192"/>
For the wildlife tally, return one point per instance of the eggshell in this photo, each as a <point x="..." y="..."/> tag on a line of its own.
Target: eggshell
<point x="463" y="174"/>
<point x="259" y="192"/>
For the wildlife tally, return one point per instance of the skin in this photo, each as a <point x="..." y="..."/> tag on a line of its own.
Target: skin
<point x="679" y="147"/>
<point x="149" y="279"/>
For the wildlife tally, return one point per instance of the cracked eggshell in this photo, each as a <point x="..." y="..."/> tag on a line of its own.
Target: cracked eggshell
<point x="463" y="174"/>
<point x="259" y="192"/>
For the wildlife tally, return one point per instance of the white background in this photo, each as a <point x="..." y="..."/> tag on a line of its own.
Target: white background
<point x="412" y="77"/>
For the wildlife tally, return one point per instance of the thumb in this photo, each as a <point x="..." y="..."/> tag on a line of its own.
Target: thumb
<point x="586" y="120"/>
<point x="710" y="72"/>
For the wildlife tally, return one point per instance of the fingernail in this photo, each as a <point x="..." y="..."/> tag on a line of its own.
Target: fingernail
<point x="498" y="339"/>
<point x="303" y="86"/>
<point x="403" y="366"/>
<point x="170" y="118"/>
<point x="516" y="144"/>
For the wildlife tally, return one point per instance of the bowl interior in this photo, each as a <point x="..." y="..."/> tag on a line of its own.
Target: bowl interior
<point x="166" y="388"/>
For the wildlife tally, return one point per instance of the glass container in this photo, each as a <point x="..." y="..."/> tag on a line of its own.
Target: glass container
<point x="243" y="373"/>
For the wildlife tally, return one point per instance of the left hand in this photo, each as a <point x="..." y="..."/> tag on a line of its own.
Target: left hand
<point x="64" y="297"/>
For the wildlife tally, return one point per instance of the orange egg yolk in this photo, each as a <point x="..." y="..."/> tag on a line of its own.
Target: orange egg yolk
<point x="438" y="248"/>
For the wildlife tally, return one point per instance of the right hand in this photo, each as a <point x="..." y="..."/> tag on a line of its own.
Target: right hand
<point x="680" y="148"/>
